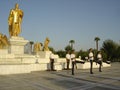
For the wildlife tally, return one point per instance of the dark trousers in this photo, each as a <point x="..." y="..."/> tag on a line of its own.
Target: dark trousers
<point x="100" y="65"/>
<point x="73" y="63"/>
<point x="68" y="62"/>
<point x="91" y="66"/>
<point x="52" y="64"/>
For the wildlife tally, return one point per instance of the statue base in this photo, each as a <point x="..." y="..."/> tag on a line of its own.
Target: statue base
<point x="17" y="45"/>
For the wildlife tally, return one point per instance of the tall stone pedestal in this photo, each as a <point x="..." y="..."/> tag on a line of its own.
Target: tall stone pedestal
<point x="17" y="45"/>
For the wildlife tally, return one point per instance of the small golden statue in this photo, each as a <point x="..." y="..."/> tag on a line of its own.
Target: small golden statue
<point x="46" y="42"/>
<point x="37" y="47"/>
<point x="15" y="20"/>
<point x="3" y="41"/>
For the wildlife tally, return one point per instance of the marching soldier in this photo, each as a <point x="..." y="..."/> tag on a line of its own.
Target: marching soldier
<point x="99" y="57"/>
<point x="91" y="57"/>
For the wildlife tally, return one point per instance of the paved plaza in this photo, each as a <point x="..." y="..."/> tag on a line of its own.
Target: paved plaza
<point x="108" y="79"/>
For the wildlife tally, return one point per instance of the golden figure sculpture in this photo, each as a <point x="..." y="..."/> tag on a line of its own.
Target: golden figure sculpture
<point x="3" y="41"/>
<point x="15" y="20"/>
<point x="37" y="47"/>
<point x="46" y="42"/>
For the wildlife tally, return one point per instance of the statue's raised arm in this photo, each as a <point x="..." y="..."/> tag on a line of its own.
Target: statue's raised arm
<point x="15" y="20"/>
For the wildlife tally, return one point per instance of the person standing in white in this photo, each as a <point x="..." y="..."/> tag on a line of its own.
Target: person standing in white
<point x="99" y="57"/>
<point x="52" y="62"/>
<point x="68" y="59"/>
<point x="91" y="57"/>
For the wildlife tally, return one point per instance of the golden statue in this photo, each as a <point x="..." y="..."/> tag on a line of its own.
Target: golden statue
<point x="3" y="41"/>
<point x="15" y="20"/>
<point x="37" y="47"/>
<point x="46" y="42"/>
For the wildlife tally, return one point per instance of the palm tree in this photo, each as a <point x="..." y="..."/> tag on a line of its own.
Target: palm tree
<point x="96" y="40"/>
<point x="68" y="48"/>
<point x="71" y="43"/>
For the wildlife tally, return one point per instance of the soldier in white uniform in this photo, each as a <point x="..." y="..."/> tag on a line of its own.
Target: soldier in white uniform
<point x="52" y="62"/>
<point x="99" y="57"/>
<point x="91" y="57"/>
<point x="68" y="60"/>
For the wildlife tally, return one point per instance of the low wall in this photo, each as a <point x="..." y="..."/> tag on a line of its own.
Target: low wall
<point x="27" y="64"/>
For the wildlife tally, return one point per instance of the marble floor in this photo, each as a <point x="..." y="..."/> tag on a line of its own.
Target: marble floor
<point x="109" y="79"/>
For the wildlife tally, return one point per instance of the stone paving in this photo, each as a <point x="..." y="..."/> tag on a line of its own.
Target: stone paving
<point x="109" y="79"/>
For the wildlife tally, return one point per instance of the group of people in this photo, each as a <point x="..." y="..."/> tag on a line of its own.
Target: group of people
<point x="99" y="60"/>
<point x="68" y="58"/>
<point x="71" y="57"/>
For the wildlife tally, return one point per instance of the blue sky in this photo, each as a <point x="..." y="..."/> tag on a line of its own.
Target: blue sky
<point x="65" y="20"/>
